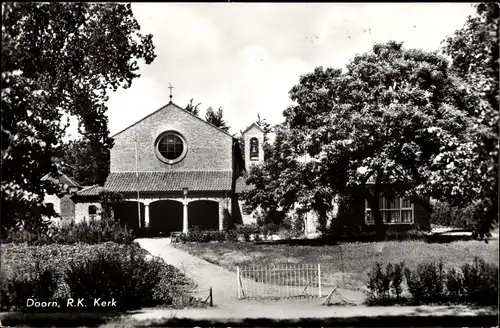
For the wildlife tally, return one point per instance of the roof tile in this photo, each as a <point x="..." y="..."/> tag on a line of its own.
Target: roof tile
<point x="169" y="181"/>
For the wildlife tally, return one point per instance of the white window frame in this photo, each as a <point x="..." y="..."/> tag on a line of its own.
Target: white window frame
<point x="400" y="210"/>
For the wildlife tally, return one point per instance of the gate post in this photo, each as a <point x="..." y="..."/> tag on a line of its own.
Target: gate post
<point x="238" y="281"/>
<point x="319" y="280"/>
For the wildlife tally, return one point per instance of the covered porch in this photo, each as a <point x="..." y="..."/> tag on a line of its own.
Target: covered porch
<point x="173" y="214"/>
<point x="173" y="201"/>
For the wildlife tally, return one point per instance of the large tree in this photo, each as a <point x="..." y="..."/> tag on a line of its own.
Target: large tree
<point x="473" y="50"/>
<point x="59" y="60"/>
<point x="396" y="116"/>
<point x="276" y="182"/>
<point x="216" y="118"/>
<point x="77" y="160"/>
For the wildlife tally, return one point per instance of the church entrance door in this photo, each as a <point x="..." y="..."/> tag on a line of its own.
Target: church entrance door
<point x="165" y="216"/>
<point x="204" y="214"/>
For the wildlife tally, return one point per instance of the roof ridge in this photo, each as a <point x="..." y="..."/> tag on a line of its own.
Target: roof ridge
<point x="71" y="179"/>
<point x="89" y="187"/>
<point x="227" y="133"/>
<point x="179" y="107"/>
<point x="169" y="171"/>
<point x="250" y="126"/>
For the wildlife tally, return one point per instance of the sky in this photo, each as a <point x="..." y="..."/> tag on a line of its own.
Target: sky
<point x="245" y="57"/>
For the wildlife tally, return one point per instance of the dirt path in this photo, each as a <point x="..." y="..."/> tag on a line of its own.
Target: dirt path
<point x="206" y="275"/>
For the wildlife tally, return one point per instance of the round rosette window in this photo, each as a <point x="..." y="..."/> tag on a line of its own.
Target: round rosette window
<point x="170" y="147"/>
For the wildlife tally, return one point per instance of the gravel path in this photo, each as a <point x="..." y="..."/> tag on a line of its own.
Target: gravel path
<point x="206" y="275"/>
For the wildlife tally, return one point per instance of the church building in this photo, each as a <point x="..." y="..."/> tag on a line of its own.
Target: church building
<point x="176" y="171"/>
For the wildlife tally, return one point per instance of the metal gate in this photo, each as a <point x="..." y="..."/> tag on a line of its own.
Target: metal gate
<point x="285" y="280"/>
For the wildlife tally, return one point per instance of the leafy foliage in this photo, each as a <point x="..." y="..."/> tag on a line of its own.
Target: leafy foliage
<point x="192" y="108"/>
<point x="453" y="216"/>
<point x="39" y="284"/>
<point x="196" y="235"/>
<point x="94" y="231"/>
<point x="216" y="118"/>
<point x="59" y="60"/>
<point x="474" y="53"/>
<point x="426" y="284"/>
<point x="77" y="159"/>
<point x="431" y="283"/>
<point x="106" y="270"/>
<point x="276" y="182"/>
<point x="109" y="200"/>
<point x="480" y="282"/>
<point x="396" y="116"/>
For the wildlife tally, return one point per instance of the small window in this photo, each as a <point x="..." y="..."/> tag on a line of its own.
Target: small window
<point x="92" y="210"/>
<point x="50" y="206"/>
<point x="254" y="148"/>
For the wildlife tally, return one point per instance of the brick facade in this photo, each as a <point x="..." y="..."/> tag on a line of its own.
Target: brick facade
<point x="208" y="147"/>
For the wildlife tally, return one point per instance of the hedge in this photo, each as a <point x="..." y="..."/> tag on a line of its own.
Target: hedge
<point x="432" y="283"/>
<point x="109" y="270"/>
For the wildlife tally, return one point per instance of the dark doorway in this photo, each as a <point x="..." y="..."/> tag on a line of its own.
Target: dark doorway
<point x="127" y="214"/>
<point x="165" y="216"/>
<point x="204" y="214"/>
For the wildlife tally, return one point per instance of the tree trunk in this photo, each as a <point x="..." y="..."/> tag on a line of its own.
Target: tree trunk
<point x="373" y="200"/>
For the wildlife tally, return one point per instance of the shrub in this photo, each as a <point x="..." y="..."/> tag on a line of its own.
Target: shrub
<point x="396" y="277"/>
<point x="126" y="275"/>
<point x="426" y="284"/>
<point x="270" y="229"/>
<point x="454" y="284"/>
<point x="379" y="281"/>
<point x="286" y="234"/>
<point x="451" y="216"/>
<point x="40" y="284"/>
<point x="93" y="231"/>
<point x="231" y="236"/>
<point x="119" y="271"/>
<point x="480" y="281"/>
<point x="197" y="235"/>
<point x="475" y="283"/>
<point x="227" y="220"/>
<point x="247" y="231"/>
<point x="256" y="237"/>
<point x="218" y="236"/>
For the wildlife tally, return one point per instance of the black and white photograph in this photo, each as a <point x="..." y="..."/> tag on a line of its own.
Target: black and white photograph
<point x="246" y="164"/>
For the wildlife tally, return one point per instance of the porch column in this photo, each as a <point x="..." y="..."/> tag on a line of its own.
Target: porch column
<point x="185" y="216"/>
<point x="221" y="214"/>
<point x="146" y="215"/>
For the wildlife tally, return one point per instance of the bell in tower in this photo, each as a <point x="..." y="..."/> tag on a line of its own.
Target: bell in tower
<point x="253" y="138"/>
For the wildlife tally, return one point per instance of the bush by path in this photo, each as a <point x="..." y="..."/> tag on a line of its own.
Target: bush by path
<point x="433" y="283"/>
<point x="109" y="270"/>
<point x="91" y="232"/>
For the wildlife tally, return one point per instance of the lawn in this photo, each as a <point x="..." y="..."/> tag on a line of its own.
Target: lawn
<point x="349" y="262"/>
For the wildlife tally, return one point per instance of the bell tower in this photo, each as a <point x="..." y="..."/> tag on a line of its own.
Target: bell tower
<point x="253" y="138"/>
